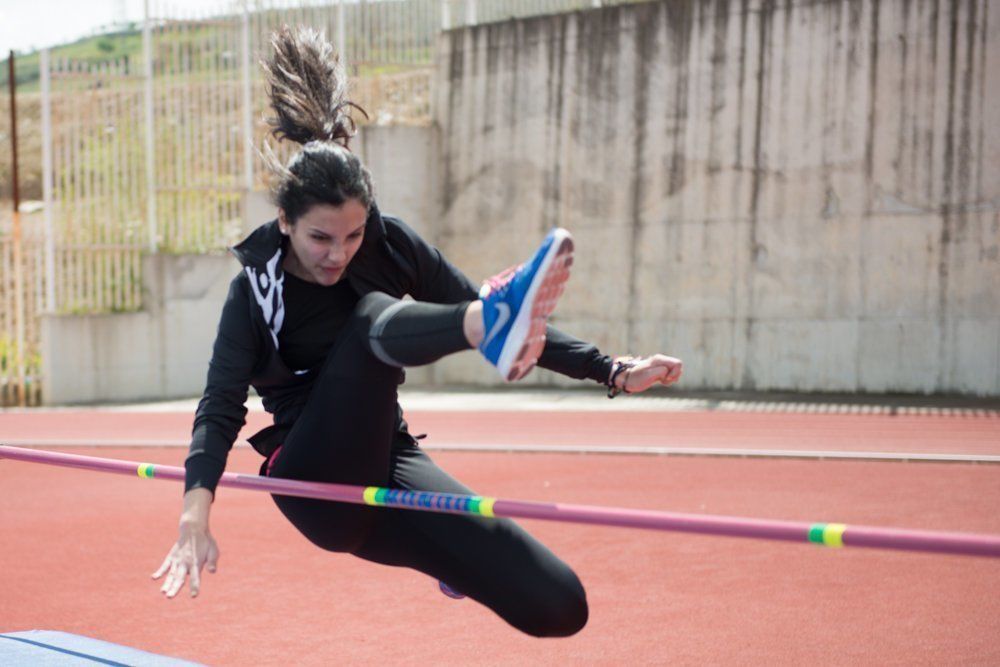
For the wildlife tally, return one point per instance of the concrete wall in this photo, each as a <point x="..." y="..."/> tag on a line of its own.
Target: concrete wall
<point x="798" y="195"/>
<point x="160" y="352"/>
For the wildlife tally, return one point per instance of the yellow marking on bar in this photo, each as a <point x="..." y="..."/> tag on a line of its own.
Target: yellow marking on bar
<point x="370" y="492"/>
<point x="145" y="470"/>
<point x="486" y="506"/>
<point x="833" y="535"/>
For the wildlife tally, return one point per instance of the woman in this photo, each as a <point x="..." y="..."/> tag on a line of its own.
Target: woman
<point x="316" y="323"/>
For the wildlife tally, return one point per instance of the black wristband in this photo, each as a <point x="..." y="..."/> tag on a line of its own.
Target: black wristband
<point x="616" y="370"/>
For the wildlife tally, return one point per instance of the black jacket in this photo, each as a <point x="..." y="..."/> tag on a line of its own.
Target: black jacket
<point x="392" y="259"/>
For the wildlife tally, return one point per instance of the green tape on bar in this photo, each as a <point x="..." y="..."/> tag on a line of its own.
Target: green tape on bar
<point x="816" y="533"/>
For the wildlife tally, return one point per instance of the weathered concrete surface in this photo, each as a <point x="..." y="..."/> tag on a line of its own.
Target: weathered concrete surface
<point x="797" y="195"/>
<point x="403" y="160"/>
<point x="159" y="352"/>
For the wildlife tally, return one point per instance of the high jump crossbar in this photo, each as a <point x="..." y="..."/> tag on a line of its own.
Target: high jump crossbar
<point x="823" y="534"/>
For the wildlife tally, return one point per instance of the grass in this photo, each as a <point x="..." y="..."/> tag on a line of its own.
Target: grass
<point x="125" y="44"/>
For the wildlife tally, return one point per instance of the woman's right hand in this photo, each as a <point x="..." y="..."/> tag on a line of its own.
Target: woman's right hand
<point x="195" y="547"/>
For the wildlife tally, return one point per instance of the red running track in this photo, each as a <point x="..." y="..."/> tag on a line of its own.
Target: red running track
<point x="78" y="548"/>
<point x="729" y="430"/>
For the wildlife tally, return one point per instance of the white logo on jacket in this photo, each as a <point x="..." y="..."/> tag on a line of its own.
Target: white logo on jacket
<point x="267" y="289"/>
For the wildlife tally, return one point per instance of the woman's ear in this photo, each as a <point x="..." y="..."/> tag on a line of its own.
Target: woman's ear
<point x="282" y="222"/>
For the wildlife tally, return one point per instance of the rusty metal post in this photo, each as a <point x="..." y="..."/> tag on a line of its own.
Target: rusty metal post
<point x="18" y="257"/>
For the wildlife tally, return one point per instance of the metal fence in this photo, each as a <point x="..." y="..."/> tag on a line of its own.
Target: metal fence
<point x="157" y="155"/>
<point x="22" y="285"/>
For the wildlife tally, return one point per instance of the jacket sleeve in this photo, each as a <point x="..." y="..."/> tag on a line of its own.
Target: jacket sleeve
<point x="221" y="412"/>
<point x="438" y="281"/>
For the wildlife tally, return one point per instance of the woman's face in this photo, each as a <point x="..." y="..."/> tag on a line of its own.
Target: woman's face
<point x="323" y="241"/>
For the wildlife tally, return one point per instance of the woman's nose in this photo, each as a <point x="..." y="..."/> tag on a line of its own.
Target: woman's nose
<point x="337" y="254"/>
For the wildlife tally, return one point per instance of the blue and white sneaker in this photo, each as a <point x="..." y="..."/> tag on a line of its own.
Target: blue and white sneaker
<point x="449" y="591"/>
<point x="517" y="304"/>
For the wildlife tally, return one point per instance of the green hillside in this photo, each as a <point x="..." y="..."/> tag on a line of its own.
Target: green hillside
<point x="125" y="44"/>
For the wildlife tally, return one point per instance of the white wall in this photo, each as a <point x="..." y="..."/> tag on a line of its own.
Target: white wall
<point x="160" y="352"/>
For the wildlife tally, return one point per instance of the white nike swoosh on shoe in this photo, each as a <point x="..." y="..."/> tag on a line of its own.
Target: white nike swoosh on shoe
<point x="501" y="321"/>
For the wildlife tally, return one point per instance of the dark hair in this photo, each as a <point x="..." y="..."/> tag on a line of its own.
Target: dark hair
<point x="307" y="86"/>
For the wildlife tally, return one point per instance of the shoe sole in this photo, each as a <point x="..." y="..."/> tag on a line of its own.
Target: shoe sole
<point x="543" y="295"/>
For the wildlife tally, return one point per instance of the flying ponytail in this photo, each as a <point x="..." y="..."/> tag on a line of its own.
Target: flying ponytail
<point x="307" y="86"/>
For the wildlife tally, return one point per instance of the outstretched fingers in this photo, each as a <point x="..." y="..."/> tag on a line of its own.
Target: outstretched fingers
<point x="213" y="556"/>
<point x="165" y="566"/>
<point x="175" y="580"/>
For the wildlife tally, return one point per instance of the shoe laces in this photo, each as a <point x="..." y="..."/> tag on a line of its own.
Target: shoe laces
<point x="502" y="279"/>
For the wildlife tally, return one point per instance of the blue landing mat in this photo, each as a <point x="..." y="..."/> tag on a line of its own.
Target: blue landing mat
<point x="49" y="648"/>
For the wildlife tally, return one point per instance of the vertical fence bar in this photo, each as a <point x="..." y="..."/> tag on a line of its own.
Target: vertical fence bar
<point x="50" y="248"/>
<point x="18" y="259"/>
<point x="62" y="181"/>
<point x="88" y="156"/>
<point x="201" y="222"/>
<point x="119" y="185"/>
<point x="215" y="91"/>
<point x="184" y="96"/>
<point x="104" y="221"/>
<point x="341" y="32"/>
<point x="247" y="99"/>
<point x="170" y="225"/>
<point x="78" y="198"/>
<point x="147" y="49"/>
<point x="132" y="123"/>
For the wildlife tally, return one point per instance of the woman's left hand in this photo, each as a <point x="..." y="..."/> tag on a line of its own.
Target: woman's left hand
<point x="647" y="371"/>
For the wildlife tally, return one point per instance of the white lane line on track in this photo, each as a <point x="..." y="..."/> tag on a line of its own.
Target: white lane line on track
<point x="711" y="452"/>
<point x="723" y="453"/>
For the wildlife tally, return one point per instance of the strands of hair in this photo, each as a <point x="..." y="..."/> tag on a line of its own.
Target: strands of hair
<point x="307" y="85"/>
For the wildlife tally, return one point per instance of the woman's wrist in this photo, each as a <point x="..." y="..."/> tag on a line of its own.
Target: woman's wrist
<point x="618" y="379"/>
<point x="197" y="504"/>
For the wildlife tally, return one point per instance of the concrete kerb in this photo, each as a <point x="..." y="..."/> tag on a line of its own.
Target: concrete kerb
<point x="457" y="399"/>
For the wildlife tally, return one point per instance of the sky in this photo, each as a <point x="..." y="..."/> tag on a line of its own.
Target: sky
<point x="29" y="24"/>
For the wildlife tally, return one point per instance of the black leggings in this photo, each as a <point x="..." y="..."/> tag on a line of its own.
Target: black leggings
<point x="346" y="434"/>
